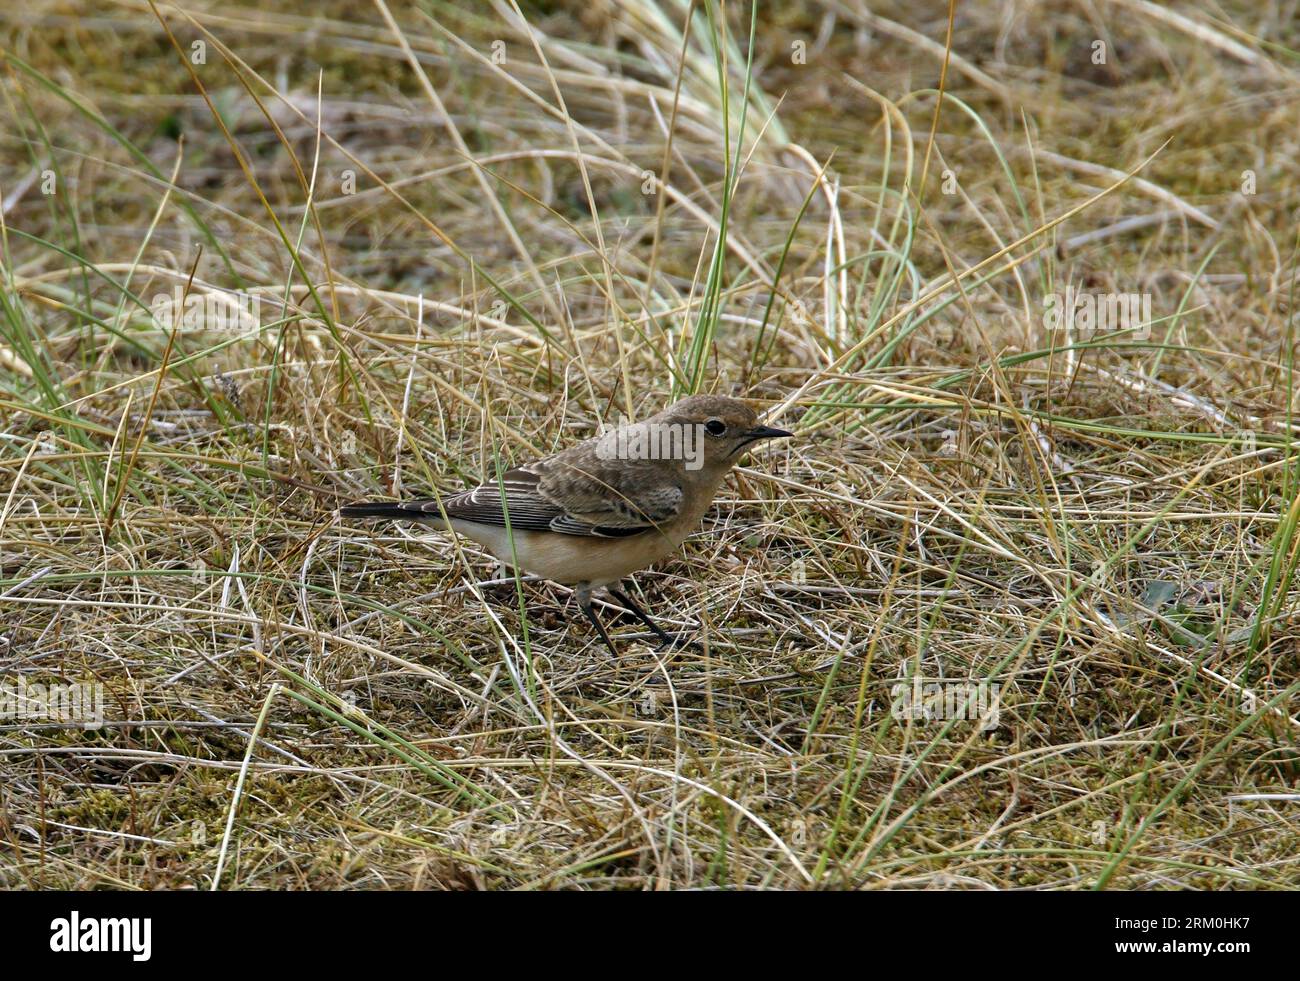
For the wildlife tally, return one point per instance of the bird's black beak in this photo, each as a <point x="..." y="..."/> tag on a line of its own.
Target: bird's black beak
<point x="765" y="432"/>
<point x="754" y="435"/>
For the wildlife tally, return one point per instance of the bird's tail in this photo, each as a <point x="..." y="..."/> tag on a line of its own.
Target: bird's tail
<point x="373" y="509"/>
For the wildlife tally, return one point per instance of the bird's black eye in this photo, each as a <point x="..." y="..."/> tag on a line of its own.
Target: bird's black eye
<point x="715" y="427"/>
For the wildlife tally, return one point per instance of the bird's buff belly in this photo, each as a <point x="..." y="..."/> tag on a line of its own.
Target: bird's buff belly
<point x="571" y="559"/>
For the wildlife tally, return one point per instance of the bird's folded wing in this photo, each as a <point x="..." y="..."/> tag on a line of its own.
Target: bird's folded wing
<point x="565" y="500"/>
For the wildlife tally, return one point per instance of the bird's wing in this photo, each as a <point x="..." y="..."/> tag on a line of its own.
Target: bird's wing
<point x="526" y="509"/>
<point x="567" y="499"/>
<point x="593" y="495"/>
<point x="573" y="493"/>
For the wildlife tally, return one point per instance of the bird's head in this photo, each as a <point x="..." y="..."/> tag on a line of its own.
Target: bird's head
<point x="718" y="428"/>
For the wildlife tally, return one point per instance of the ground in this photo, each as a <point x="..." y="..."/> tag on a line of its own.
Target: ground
<point x="260" y="261"/>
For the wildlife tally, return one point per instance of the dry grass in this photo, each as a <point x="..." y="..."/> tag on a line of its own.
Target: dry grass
<point x="1103" y="528"/>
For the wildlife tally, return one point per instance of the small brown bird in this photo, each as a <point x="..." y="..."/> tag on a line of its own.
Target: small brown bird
<point x="597" y="512"/>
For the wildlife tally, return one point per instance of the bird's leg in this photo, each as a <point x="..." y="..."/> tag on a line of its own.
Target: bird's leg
<point x="630" y="605"/>
<point x="583" y="594"/>
<point x="668" y="639"/>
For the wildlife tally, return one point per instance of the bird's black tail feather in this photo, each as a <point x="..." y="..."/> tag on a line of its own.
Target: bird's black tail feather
<point x="373" y="509"/>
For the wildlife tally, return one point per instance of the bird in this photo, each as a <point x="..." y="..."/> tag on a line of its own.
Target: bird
<point x="593" y="514"/>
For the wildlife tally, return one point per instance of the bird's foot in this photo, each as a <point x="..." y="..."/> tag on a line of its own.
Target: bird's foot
<point x="679" y="641"/>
